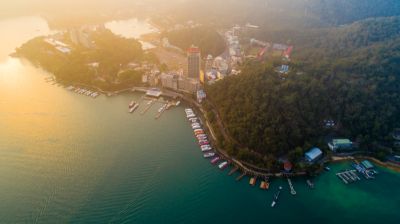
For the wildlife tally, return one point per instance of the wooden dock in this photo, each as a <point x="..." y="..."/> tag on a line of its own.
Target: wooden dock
<point x="233" y="170"/>
<point x="240" y="177"/>
<point x="292" y="191"/>
<point x="147" y="107"/>
<point x="161" y="112"/>
<point x="348" y="176"/>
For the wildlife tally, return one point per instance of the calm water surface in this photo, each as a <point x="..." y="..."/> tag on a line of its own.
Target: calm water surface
<point x="68" y="158"/>
<point x="132" y="28"/>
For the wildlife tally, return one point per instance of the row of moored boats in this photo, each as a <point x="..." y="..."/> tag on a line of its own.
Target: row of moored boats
<point x="83" y="91"/>
<point x="202" y="139"/>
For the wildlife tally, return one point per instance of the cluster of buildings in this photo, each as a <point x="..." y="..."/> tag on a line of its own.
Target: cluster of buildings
<point x="235" y="51"/>
<point x="58" y="45"/>
<point x="78" y="36"/>
<point x="227" y="64"/>
<point x="179" y="81"/>
<point x="335" y="145"/>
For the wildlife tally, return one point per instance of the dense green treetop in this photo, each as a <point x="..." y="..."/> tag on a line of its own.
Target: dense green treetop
<point x="350" y="74"/>
<point x="206" y="38"/>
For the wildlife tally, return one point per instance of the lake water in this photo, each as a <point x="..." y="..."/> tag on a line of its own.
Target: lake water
<point x="68" y="158"/>
<point x="132" y="28"/>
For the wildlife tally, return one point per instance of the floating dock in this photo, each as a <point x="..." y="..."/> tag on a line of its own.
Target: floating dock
<point x="348" y="176"/>
<point x="292" y="191"/>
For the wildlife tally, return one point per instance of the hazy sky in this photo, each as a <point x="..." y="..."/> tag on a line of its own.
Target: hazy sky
<point x="11" y="7"/>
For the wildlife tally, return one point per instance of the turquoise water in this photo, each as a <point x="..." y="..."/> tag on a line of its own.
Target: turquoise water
<point x="68" y="158"/>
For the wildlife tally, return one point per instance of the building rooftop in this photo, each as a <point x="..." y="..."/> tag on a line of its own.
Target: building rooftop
<point x="367" y="164"/>
<point x="287" y="166"/>
<point x="313" y="153"/>
<point x="193" y="50"/>
<point x="341" y="141"/>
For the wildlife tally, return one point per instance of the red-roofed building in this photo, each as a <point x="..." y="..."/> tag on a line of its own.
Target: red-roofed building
<point x="287" y="166"/>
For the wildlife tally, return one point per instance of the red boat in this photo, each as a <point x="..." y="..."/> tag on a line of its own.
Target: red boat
<point x="215" y="160"/>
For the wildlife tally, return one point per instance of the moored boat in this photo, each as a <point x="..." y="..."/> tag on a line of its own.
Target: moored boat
<point x="253" y="181"/>
<point x="209" y="154"/>
<point x="223" y="165"/>
<point x="215" y="160"/>
<point x="264" y="184"/>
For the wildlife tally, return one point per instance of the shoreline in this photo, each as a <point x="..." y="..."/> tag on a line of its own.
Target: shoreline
<point x="239" y="164"/>
<point x="393" y="167"/>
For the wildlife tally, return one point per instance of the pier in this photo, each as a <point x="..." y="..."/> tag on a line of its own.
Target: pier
<point x="233" y="170"/>
<point x="240" y="177"/>
<point x="292" y="191"/>
<point x="149" y="105"/>
<point x="161" y="111"/>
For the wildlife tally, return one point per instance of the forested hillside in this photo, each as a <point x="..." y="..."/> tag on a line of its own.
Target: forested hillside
<point x="285" y="14"/>
<point x="350" y="74"/>
<point x="207" y="38"/>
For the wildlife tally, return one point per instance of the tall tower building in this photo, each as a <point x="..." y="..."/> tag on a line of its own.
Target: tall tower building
<point x="193" y="55"/>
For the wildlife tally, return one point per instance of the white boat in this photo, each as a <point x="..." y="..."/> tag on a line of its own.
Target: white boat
<point x="209" y="154"/>
<point x="131" y="104"/>
<point x="134" y="107"/>
<point x="206" y="149"/>
<point x="178" y="103"/>
<point x="223" y="165"/>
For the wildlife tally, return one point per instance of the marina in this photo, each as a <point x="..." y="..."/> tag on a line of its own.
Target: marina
<point x="83" y="91"/>
<point x="348" y="176"/>
<point x="365" y="168"/>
